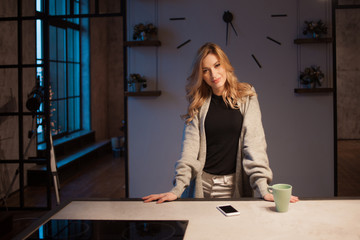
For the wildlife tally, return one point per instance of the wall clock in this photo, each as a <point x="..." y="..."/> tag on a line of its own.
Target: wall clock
<point x="234" y="23"/>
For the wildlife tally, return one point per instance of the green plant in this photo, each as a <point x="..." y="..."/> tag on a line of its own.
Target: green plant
<point x="311" y="75"/>
<point x="315" y="28"/>
<point x="137" y="78"/>
<point x="142" y="31"/>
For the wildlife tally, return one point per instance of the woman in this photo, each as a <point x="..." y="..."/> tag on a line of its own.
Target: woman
<point x="230" y="159"/>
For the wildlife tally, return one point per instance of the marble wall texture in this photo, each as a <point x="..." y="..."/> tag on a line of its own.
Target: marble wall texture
<point x="348" y="73"/>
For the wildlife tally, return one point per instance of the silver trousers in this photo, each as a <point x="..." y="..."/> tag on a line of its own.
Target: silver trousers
<point x="218" y="186"/>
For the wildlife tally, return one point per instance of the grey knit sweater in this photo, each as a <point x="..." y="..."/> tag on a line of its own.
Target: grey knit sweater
<point x="252" y="165"/>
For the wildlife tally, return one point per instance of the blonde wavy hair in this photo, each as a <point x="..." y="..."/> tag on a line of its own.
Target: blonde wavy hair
<point x="197" y="90"/>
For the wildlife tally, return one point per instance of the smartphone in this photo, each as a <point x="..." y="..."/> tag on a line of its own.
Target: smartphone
<point x="228" y="210"/>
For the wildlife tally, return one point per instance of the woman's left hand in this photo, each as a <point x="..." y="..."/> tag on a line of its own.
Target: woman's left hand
<point x="270" y="197"/>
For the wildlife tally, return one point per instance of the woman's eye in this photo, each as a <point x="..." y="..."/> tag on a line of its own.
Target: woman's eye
<point x="205" y="71"/>
<point x="217" y="65"/>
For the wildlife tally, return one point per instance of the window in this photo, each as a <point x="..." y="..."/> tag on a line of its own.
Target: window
<point x="64" y="67"/>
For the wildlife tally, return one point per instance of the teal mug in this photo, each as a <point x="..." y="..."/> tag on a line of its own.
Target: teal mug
<point x="282" y="195"/>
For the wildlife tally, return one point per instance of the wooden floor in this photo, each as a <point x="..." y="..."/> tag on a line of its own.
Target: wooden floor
<point x="103" y="177"/>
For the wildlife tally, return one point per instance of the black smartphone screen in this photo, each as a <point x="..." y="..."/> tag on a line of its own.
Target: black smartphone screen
<point x="228" y="209"/>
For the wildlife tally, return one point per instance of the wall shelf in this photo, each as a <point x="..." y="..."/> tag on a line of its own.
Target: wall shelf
<point x="313" y="90"/>
<point x="321" y="40"/>
<point x="145" y="43"/>
<point x="312" y="40"/>
<point x="143" y="94"/>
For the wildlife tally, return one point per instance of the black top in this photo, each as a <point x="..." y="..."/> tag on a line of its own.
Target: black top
<point x="222" y="128"/>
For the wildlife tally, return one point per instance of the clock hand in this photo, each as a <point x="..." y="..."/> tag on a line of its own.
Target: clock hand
<point x="233" y="28"/>
<point x="228" y="17"/>
<point x="227" y="32"/>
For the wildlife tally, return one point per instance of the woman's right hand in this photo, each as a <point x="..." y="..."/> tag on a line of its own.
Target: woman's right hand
<point x="161" y="197"/>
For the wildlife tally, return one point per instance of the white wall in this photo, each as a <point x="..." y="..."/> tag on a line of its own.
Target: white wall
<point x="299" y="128"/>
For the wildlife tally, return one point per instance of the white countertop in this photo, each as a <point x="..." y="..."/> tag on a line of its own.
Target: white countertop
<point x="308" y="219"/>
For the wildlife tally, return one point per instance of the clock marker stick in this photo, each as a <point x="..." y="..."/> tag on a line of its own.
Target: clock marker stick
<point x="278" y="15"/>
<point x="179" y="18"/>
<point x="271" y="39"/>
<point x="257" y="62"/>
<point x="184" y="43"/>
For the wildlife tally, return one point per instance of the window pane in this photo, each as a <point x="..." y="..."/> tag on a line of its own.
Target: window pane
<point x="40" y="134"/>
<point x="53" y="80"/>
<point x="54" y="116"/>
<point x="40" y="72"/>
<point x="39" y="5"/>
<point x="60" y="7"/>
<point x="76" y="46"/>
<point x="61" y="116"/>
<point x="61" y="46"/>
<point x="52" y="43"/>
<point x="76" y="8"/>
<point x="68" y="9"/>
<point x="76" y="11"/>
<point x="70" y="79"/>
<point x="39" y="39"/>
<point x="77" y="114"/>
<point x="70" y="44"/>
<point x="71" y="122"/>
<point x="52" y="7"/>
<point x="74" y="114"/>
<point x="77" y="79"/>
<point x="61" y="80"/>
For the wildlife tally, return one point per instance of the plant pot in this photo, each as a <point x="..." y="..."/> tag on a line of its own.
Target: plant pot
<point x="315" y="35"/>
<point x="135" y="87"/>
<point x="117" y="145"/>
<point x="138" y="86"/>
<point x="143" y="36"/>
<point x="131" y="87"/>
<point x="147" y="36"/>
<point x="309" y="85"/>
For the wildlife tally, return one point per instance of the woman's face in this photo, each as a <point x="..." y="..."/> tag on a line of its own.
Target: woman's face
<point x="213" y="73"/>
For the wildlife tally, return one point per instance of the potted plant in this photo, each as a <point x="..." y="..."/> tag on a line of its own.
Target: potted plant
<point x="316" y="29"/>
<point x="144" y="32"/>
<point x="311" y="77"/>
<point x="136" y="82"/>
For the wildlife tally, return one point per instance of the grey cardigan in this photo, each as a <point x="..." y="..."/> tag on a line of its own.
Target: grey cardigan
<point x="252" y="165"/>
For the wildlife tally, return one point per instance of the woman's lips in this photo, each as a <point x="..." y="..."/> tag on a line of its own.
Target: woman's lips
<point x="216" y="80"/>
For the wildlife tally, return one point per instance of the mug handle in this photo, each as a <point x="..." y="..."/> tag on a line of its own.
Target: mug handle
<point x="270" y="189"/>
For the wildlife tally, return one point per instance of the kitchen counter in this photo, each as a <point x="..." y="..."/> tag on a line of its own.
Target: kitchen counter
<point x="334" y="218"/>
